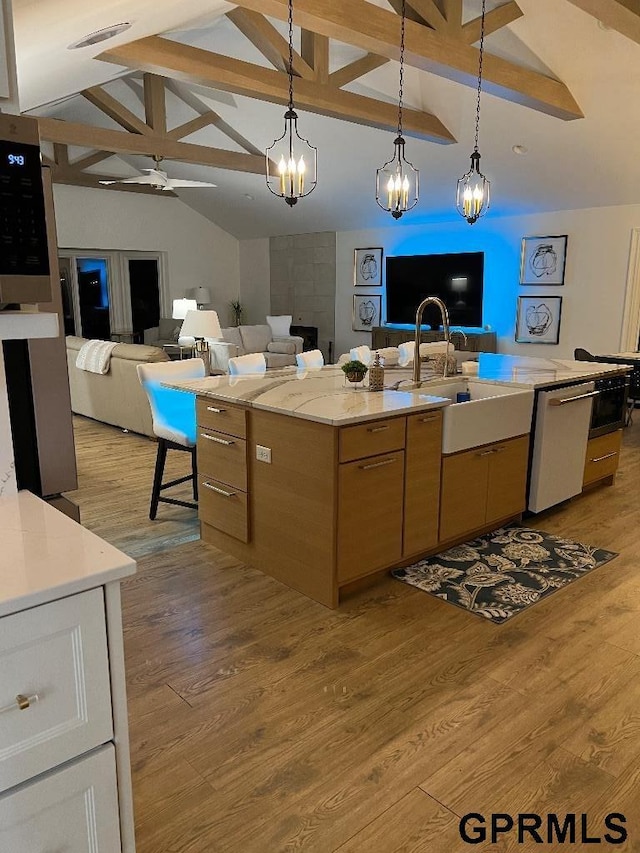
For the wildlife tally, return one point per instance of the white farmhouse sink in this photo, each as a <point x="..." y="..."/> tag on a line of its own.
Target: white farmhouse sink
<point x="495" y="412"/>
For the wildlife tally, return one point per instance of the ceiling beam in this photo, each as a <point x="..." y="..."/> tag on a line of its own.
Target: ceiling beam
<point x="494" y="20"/>
<point x="377" y="30"/>
<point x="266" y="38"/>
<point x="422" y="12"/>
<point x="118" y="142"/>
<point x="91" y="160"/>
<point x="315" y="52"/>
<point x="155" y="108"/>
<point x="620" y="15"/>
<point x="107" y="104"/>
<point x="61" y="154"/>
<point x="189" y="127"/>
<point x="354" y="70"/>
<point x="195" y="65"/>
<point x="191" y="100"/>
<point x="453" y="13"/>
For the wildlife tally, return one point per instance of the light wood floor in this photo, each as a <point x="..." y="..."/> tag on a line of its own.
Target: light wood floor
<point x="261" y="721"/>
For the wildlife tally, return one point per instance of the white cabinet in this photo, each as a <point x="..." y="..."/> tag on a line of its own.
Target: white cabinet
<point x="55" y="698"/>
<point x="74" y="809"/>
<point x="65" y="779"/>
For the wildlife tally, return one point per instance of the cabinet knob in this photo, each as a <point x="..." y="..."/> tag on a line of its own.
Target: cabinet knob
<point x="22" y="703"/>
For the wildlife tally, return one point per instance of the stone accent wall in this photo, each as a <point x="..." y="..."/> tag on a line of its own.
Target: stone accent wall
<point x="303" y="282"/>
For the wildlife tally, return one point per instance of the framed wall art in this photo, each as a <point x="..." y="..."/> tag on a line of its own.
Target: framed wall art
<point x="366" y="313"/>
<point x="367" y="267"/>
<point x="538" y="319"/>
<point x="543" y="260"/>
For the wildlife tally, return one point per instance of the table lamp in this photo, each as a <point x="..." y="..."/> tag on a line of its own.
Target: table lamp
<point x="201" y="325"/>
<point x="181" y="306"/>
<point x="203" y="296"/>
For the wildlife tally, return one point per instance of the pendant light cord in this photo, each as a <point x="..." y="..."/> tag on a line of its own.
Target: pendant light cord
<point x="291" y="54"/>
<point x="479" y="74"/>
<point x="401" y="88"/>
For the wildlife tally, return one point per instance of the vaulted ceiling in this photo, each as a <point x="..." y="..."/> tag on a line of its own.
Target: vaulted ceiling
<point x="202" y="83"/>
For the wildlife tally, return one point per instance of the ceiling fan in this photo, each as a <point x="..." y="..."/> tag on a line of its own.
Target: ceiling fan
<point x="159" y="180"/>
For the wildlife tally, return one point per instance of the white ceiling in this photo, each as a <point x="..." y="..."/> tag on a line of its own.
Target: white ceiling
<point x="583" y="163"/>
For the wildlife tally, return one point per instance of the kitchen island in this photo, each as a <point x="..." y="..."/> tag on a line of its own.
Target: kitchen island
<point x="324" y="486"/>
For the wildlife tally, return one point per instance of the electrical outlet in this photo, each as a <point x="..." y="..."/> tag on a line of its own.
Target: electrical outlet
<point x="263" y="454"/>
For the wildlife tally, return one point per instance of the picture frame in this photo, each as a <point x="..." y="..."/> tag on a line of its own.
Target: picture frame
<point x="366" y="312"/>
<point x="543" y="260"/>
<point x="538" y="319"/>
<point x="367" y="267"/>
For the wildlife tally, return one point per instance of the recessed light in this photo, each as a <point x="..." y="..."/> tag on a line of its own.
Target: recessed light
<point x="520" y="149"/>
<point x="100" y="35"/>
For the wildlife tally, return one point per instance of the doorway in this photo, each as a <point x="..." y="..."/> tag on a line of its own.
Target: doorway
<point x="93" y="297"/>
<point x="144" y="294"/>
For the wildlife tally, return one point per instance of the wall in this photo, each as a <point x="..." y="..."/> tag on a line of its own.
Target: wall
<point x="198" y="252"/>
<point x="255" y="277"/>
<point x="595" y="279"/>
<point x="303" y="282"/>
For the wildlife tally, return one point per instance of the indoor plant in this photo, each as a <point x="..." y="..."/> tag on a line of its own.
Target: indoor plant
<point x="354" y="370"/>
<point x="236" y="310"/>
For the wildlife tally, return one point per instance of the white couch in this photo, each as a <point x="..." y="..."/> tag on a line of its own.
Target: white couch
<point x="241" y="340"/>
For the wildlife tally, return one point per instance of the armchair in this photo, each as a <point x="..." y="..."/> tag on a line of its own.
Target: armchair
<point x="278" y="351"/>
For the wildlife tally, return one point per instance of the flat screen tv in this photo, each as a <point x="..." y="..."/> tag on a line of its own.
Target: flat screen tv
<point x="456" y="278"/>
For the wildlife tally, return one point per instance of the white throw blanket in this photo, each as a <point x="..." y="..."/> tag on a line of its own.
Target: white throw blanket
<point x="427" y="349"/>
<point x="95" y="356"/>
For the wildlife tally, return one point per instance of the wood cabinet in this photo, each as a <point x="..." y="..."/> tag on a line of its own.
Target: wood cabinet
<point x="602" y="457"/>
<point x="370" y="497"/>
<point x="222" y="468"/>
<point x="482" y="486"/>
<point x="422" y="482"/>
<point x="480" y="341"/>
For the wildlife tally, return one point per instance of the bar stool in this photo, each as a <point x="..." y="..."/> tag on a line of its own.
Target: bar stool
<point x="173" y="415"/>
<point x="311" y="358"/>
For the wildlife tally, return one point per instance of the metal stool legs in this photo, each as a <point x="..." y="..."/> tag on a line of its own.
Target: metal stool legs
<point x="158" y="486"/>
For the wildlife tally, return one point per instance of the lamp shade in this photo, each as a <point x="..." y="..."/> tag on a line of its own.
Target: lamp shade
<point x="201" y="324"/>
<point x="181" y="306"/>
<point x="203" y="295"/>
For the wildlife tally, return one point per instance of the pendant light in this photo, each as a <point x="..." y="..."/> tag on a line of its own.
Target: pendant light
<point x="295" y="158"/>
<point x="397" y="182"/>
<point x="472" y="196"/>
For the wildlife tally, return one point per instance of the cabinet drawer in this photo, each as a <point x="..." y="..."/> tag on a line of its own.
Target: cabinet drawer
<point x="212" y="414"/>
<point x="223" y="507"/>
<point x="370" y="439"/>
<point x="74" y="810"/>
<point x="57" y="652"/>
<point x="223" y="457"/>
<point x="370" y="515"/>
<point x="603" y="456"/>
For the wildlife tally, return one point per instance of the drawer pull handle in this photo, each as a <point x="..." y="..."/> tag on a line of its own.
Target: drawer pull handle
<point x="376" y="464"/>
<point x="428" y="419"/>
<point x="22" y="702"/>
<point x="486" y="452"/>
<point x="377" y="429"/>
<point x="606" y="456"/>
<point x="218" y="440"/>
<point x="217" y="411"/>
<point x="219" y="491"/>
<point x="564" y="400"/>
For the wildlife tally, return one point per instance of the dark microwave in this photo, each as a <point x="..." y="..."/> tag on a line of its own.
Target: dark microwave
<point x="609" y="405"/>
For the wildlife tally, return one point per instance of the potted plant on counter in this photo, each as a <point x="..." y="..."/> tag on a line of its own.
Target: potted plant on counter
<point x="355" y="371"/>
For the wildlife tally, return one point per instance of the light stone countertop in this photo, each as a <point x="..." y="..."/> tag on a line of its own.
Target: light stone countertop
<point x="324" y="396"/>
<point x="46" y="555"/>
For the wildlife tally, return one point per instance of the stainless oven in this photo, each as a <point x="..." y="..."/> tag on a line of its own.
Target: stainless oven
<point x="609" y="405"/>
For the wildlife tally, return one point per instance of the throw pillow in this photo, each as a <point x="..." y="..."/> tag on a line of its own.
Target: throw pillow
<point x="176" y="332"/>
<point x="280" y="325"/>
<point x="284" y="347"/>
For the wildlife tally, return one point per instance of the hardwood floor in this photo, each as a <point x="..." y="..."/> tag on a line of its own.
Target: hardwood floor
<point x="261" y="721"/>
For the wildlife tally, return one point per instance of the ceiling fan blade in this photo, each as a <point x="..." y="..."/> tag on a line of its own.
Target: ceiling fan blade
<point x="141" y="179"/>
<point x="176" y="182"/>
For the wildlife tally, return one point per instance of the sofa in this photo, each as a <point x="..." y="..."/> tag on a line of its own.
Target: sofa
<point x="164" y="334"/>
<point x="278" y="351"/>
<point x="117" y="397"/>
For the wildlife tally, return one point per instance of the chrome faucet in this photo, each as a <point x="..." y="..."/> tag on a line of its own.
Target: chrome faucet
<point x="447" y="335"/>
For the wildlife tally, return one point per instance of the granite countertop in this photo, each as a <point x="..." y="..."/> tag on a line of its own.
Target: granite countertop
<point x="46" y="555"/>
<point x="526" y="372"/>
<point x="322" y="395"/>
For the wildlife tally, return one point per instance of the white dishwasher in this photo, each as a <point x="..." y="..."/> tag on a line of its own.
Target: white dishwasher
<point x="560" y="444"/>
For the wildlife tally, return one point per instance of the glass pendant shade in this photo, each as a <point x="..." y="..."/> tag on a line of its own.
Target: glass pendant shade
<point x="473" y="194"/>
<point x="291" y="163"/>
<point x="397" y="183"/>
